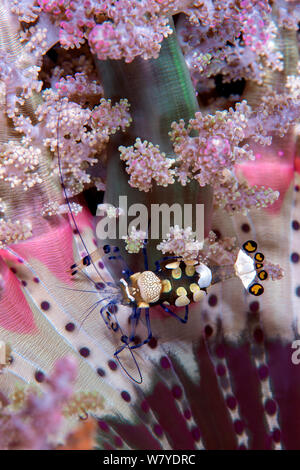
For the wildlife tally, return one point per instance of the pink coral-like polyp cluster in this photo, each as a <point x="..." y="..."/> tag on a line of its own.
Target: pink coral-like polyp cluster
<point x="135" y="240"/>
<point x="83" y="133"/>
<point x="214" y="148"/>
<point x="145" y="162"/>
<point x="182" y="243"/>
<point x="19" y="164"/>
<point x="129" y="28"/>
<point x="241" y="42"/>
<point x="137" y="28"/>
<point x="73" y="18"/>
<point x="78" y="87"/>
<point x="12" y="231"/>
<point x="41" y="416"/>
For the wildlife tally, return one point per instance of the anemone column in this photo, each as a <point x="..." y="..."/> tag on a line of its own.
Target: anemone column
<point x="159" y="92"/>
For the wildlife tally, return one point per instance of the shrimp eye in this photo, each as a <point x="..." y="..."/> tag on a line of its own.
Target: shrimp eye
<point x="256" y="289"/>
<point x="250" y="246"/>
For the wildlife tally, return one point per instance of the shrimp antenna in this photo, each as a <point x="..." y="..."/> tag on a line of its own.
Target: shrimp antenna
<point x="67" y="199"/>
<point x="126" y="346"/>
<point x="140" y="381"/>
<point x="90" y="257"/>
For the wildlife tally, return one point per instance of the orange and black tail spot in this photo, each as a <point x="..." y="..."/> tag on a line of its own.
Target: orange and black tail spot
<point x="262" y="275"/>
<point x="256" y="289"/>
<point x="259" y="257"/>
<point x="250" y="246"/>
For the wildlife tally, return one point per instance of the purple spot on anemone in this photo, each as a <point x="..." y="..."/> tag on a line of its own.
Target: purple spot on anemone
<point x="196" y="433"/>
<point x="254" y="306"/>
<point x="263" y="372"/>
<point x="258" y="335"/>
<point x="165" y="363"/>
<point x="103" y="426"/>
<point x="100" y="285"/>
<point x="126" y="396"/>
<point x="152" y="343"/>
<point x="112" y="365"/>
<point x="158" y="431"/>
<point x="221" y="370"/>
<point x="231" y="402"/>
<point x="294" y="257"/>
<point x="220" y="351"/>
<point x="238" y="426"/>
<point x="145" y="406"/>
<point x="45" y="305"/>
<point x="39" y="376"/>
<point x="208" y="331"/>
<point x="84" y="352"/>
<point x="118" y="441"/>
<point x="177" y="392"/>
<point x="212" y="300"/>
<point x="70" y="327"/>
<point x="100" y="372"/>
<point x="270" y="407"/>
<point x="276" y="435"/>
<point x="245" y="228"/>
